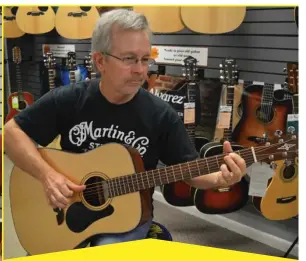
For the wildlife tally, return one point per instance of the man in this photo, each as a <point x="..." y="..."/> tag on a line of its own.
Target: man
<point x="94" y="112"/>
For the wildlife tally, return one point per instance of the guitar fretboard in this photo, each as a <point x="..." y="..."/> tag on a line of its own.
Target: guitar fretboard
<point x="51" y="74"/>
<point x="149" y="179"/>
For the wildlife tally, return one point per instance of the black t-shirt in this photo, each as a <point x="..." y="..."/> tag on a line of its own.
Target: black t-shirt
<point x="85" y="119"/>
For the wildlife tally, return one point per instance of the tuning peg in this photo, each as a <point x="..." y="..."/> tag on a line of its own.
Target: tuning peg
<point x="278" y="133"/>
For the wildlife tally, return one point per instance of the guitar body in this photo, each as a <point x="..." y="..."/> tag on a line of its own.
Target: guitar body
<point x="223" y="200"/>
<point x="35" y="19"/>
<point x="281" y="199"/>
<point x="251" y="126"/>
<point x="178" y="194"/>
<point x="76" y="22"/>
<point x="41" y="229"/>
<point x="11" y="29"/>
<point x="162" y="19"/>
<point x="212" y="20"/>
<point x="27" y="100"/>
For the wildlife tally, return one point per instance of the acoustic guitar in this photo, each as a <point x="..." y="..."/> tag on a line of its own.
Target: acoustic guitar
<point x="35" y="19"/>
<point x="19" y="100"/>
<point x="10" y="27"/>
<point x="111" y="203"/>
<point x="179" y="193"/>
<point x="223" y="200"/>
<point x="280" y="201"/>
<point x="212" y="20"/>
<point x="262" y="115"/>
<point x="162" y="19"/>
<point x="76" y="22"/>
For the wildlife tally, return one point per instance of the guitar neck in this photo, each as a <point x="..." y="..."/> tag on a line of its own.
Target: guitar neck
<point x="72" y="76"/>
<point x="18" y="79"/>
<point x="51" y="74"/>
<point x="229" y="102"/>
<point x="149" y="179"/>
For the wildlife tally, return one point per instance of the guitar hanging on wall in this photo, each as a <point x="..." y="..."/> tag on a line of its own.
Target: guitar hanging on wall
<point x="10" y="27"/>
<point x="35" y="19"/>
<point x="19" y="100"/>
<point x="180" y="193"/>
<point x="76" y="22"/>
<point x="49" y="62"/>
<point x="225" y="199"/>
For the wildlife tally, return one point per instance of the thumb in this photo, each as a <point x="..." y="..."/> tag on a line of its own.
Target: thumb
<point x="75" y="187"/>
<point x="227" y="148"/>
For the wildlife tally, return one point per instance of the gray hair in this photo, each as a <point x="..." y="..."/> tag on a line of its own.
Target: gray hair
<point x="125" y="19"/>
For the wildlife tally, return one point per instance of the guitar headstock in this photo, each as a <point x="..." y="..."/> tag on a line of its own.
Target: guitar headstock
<point x="190" y="68"/>
<point x="16" y="55"/>
<point x="292" y="79"/>
<point x="71" y="63"/>
<point x="49" y="60"/>
<point x="280" y="148"/>
<point x="229" y="71"/>
<point x="88" y="62"/>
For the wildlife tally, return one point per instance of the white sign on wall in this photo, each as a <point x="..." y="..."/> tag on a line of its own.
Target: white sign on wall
<point x="58" y="50"/>
<point x="176" y="54"/>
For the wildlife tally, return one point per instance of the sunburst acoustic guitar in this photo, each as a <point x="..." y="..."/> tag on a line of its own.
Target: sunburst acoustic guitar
<point x="76" y="22"/>
<point x="111" y="203"/>
<point x="10" y="27"/>
<point x="179" y="193"/>
<point x="19" y="100"/>
<point x="212" y="19"/>
<point x="35" y="19"/>
<point x="224" y="199"/>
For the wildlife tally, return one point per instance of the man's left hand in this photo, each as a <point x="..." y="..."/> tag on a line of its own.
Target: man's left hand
<point x="234" y="169"/>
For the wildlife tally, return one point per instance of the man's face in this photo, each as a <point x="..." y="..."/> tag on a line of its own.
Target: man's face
<point x="126" y="79"/>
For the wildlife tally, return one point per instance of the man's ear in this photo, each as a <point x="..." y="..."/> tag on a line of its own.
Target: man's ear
<point x="99" y="61"/>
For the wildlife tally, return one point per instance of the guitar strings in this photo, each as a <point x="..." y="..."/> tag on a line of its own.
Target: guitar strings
<point x="199" y="161"/>
<point x="101" y="190"/>
<point x="123" y="184"/>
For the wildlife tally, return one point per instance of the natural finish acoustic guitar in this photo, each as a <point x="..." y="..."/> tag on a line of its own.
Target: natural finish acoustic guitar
<point x="212" y="20"/>
<point x="76" y="22"/>
<point x="111" y="203"/>
<point x="162" y="19"/>
<point x="10" y="27"/>
<point x="35" y="19"/>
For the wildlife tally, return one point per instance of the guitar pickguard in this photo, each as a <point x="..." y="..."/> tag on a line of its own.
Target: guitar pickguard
<point x="78" y="217"/>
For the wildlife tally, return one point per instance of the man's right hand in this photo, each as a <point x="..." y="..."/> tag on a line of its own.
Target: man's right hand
<point x="59" y="190"/>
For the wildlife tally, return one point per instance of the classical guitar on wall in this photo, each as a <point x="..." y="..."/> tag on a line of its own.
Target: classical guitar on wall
<point x="112" y="201"/>
<point x="224" y="199"/>
<point x="76" y="22"/>
<point x="35" y="19"/>
<point x="19" y="100"/>
<point x="280" y="201"/>
<point x="180" y="193"/>
<point x="10" y="27"/>
<point x="212" y="19"/>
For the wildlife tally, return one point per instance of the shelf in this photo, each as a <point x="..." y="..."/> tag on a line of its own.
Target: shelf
<point x="249" y="223"/>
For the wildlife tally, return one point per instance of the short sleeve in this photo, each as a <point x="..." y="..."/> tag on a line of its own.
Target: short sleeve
<point x="175" y="145"/>
<point x="41" y="121"/>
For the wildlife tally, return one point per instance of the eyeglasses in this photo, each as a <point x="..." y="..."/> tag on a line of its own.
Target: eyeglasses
<point x="131" y="60"/>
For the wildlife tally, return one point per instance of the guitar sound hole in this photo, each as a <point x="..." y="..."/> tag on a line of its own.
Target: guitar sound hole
<point x="289" y="172"/>
<point x="43" y="8"/>
<point x="85" y="8"/>
<point x="264" y="116"/>
<point x="22" y="105"/>
<point x="14" y="10"/>
<point x="93" y="194"/>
